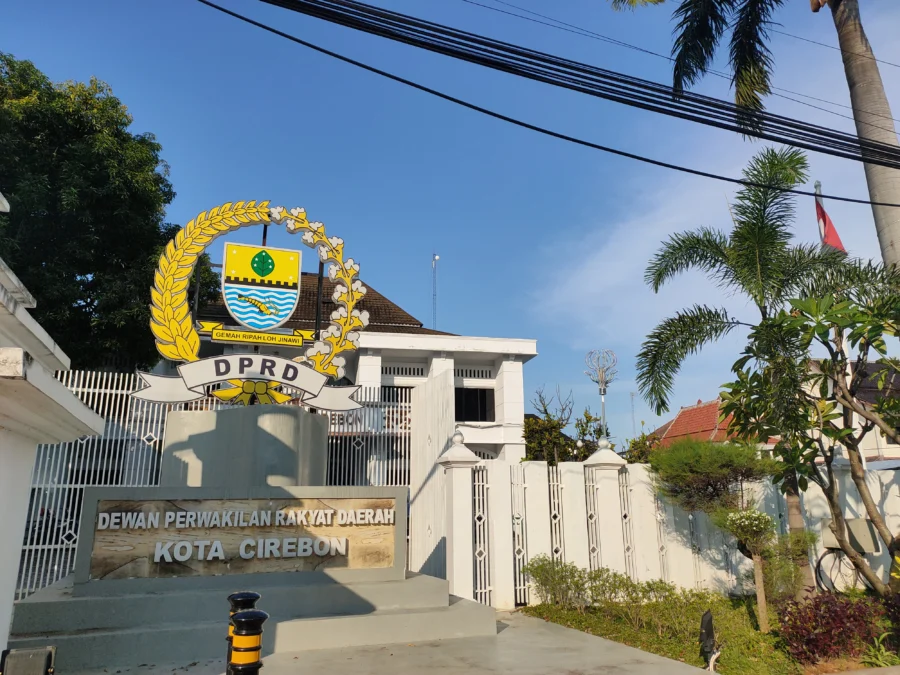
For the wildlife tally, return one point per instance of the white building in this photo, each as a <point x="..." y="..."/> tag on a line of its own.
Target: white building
<point x="396" y="350"/>
<point x="417" y="386"/>
<point x="34" y="408"/>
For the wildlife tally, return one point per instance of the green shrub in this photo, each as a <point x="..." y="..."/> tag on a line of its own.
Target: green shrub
<point x="557" y="582"/>
<point x="879" y="656"/>
<point x="703" y="476"/>
<point x="781" y="566"/>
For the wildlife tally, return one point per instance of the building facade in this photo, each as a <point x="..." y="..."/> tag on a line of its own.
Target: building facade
<point x="417" y="386"/>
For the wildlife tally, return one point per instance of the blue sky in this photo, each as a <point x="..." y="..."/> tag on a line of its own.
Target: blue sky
<point x="537" y="238"/>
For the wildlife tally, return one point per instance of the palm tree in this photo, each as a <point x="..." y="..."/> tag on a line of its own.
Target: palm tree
<point x="701" y="25"/>
<point x="757" y="260"/>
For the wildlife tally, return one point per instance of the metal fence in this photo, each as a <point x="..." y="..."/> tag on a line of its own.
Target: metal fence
<point x="369" y="446"/>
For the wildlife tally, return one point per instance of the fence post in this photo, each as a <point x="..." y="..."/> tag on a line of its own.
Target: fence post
<point x="458" y="461"/>
<point x="604" y="466"/>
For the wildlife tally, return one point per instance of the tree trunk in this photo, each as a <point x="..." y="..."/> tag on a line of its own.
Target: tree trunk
<point x="761" y="607"/>
<point x="839" y="528"/>
<point x="874" y="122"/>
<point x="797" y="528"/>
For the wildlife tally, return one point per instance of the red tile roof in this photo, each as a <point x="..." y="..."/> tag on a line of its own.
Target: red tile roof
<point x="699" y="421"/>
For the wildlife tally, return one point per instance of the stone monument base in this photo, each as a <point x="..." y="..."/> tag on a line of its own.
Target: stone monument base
<point x="250" y="446"/>
<point x="308" y="611"/>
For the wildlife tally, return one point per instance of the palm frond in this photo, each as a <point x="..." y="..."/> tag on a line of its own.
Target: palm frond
<point x="801" y="266"/>
<point x="633" y="4"/>
<point x="763" y="216"/>
<point x="705" y="249"/>
<point x="861" y="281"/>
<point x="672" y="341"/>
<point x="697" y="34"/>
<point x="751" y="60"/>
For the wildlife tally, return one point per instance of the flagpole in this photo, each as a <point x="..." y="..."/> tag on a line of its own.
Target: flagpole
<point x="826" y="230"/>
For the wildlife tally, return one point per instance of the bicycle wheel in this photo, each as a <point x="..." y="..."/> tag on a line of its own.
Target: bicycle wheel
<point x="836" y="573"/>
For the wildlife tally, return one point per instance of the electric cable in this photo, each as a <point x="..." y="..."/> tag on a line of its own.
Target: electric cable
<point x="587" y="33"/>
<point x="527" y="125"/>
<point x="598" y="82"/>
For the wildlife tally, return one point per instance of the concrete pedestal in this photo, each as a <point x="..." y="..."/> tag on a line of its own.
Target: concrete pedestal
<point x="252" y="446"/>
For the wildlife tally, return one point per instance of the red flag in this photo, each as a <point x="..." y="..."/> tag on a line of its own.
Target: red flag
<point x="827" y="232"/>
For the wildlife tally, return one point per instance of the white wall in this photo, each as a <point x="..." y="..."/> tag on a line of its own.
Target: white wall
<point x="16" y="461"/>
<point x="611" y="517"/>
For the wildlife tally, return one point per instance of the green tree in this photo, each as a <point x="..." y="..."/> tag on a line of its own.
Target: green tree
<point x="85" y="227"/>
<point x="545" y="436"/>
<point x="639" y="448"/>
<point x="755" y="530"/>
<point x="756" y="260"/>
<point x="709" y="477"/>
<point x="818" y="404"/>
<point x="701" y="25"/>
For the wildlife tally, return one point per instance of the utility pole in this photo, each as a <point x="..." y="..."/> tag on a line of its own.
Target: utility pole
<point x="602" y="371"/>
<point x="633" y="424"/>
<point x="434" y="259"/>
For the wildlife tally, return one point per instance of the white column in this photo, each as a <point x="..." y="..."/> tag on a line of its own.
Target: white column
<point x="503" y="585"/>
<point x="605" y="465"/>
<point x="16" y="461"/>
<point x="368" y="370"/>
<point x="537" y="509"/>
<point x="509" y="392"/>
<point x="571" y="476"/>
<point x="458" y="461"/>
<point x="433" y="406"/>
<point x="512" y="452"/>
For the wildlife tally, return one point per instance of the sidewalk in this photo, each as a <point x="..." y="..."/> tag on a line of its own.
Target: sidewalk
<point x="524" y="646"/>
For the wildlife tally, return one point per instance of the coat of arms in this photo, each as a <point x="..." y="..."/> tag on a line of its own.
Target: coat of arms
<point x="260" y="284"/>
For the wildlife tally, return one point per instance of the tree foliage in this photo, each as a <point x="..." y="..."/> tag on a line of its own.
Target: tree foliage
<point x="87" y="198"/>
<point x="755" y="259"/>
<point x="639" y="449"/>
<point x="818" y="404"/>
<point x="545" y="436"/>
<point x="710" y="477"/>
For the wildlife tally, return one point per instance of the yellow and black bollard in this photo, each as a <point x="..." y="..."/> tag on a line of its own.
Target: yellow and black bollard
<point x="246" y="642"/>
<point x="239" y="602"/>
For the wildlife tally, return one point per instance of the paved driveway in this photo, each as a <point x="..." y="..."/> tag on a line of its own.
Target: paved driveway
<point x="524" y="646"/>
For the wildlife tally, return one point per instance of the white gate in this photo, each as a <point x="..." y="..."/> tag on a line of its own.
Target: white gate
<point x="369" y="446"/>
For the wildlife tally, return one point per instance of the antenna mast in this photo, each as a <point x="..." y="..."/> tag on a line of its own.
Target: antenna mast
<point x="434" y="259"/>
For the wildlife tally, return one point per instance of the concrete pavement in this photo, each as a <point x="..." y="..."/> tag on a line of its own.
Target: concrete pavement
<point x="524" y="646"/>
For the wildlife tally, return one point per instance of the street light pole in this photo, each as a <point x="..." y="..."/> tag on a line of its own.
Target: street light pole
<point x="601" y="368"/>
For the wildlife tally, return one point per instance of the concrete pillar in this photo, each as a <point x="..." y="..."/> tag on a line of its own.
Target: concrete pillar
<point x="34" y="408"/>
<point x="509" y="394"/>
<point x="458" y="461"/>
<point x="368" y="370"/>
<point x="605" y="466"/>
<point x="17" y="454"/>
<point x="512" y="452"/>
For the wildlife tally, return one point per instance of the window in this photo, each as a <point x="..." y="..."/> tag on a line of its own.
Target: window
<point x="474" y="405"/>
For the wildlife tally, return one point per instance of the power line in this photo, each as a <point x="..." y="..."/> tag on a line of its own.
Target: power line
<point x="587" y="33"/>
<point x="598" y="82"/>
<point x="837" y="49"/>
<point x="526" y="125"/>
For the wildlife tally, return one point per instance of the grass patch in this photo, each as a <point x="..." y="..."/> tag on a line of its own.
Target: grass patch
<point x="744" y="650"/>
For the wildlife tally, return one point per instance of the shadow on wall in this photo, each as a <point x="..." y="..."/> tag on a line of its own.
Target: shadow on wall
<point x="250" y="446"/>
